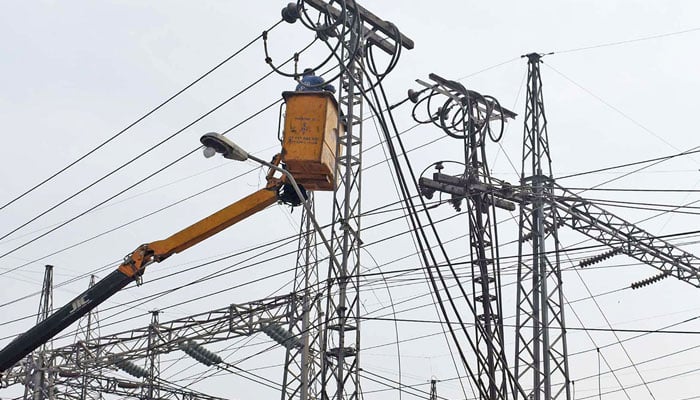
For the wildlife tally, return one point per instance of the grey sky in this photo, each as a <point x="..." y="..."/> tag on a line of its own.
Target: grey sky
<point x="74" y="73"/>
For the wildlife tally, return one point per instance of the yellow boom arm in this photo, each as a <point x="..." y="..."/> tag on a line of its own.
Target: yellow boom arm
<point x="134" y="266"/>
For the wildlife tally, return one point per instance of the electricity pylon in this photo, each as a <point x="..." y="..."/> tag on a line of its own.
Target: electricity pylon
<point x="540" y="347"/>
<point x="39" y="376"/>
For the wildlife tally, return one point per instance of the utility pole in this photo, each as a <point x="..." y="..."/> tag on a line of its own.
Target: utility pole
<point x="470" y="122"/>
<point x="540" y="344"/>
<point x="39" y="375"/>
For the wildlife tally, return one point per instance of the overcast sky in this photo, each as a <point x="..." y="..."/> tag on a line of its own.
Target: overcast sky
<point x="73" y="74"/>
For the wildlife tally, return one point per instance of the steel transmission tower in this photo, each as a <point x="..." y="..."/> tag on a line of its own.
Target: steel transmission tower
<point x="485" y="265"/>
<point x="303" y="364"/>
<point x="38" y="383"/>
<point x="474" y="115"/>
<point x="88" y="331"/>
<point x="541" y="365"/>
<point x="341" y="336"/>
<point x="540" y="347"/>
<point x="153" y="357"/>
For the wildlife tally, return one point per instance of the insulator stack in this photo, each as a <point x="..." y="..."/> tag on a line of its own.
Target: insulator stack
<point x="282" y="336"/>
<point x="548" y="229"/>
<point x="649" y="281"/>
<point x="131" y="368"/>
<point x="199" y="353"/>
<point x="600" y="257"/>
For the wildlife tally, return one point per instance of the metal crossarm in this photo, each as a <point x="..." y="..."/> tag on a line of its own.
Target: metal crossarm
<point x="209" y="327"/>
<point x="611" y="230"/>
<point x="69" y="387"/>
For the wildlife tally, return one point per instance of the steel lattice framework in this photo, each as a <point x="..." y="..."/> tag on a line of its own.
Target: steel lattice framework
<point x="303" y="364"/>
<point x="213" y="326"/>
<point x="540" y="344"/>
<point x="625" y="237"/>
<point x="153" y="357"/>
<point x="38" y="374"/>
<point x="88" y="330"/>
<point x="474" y="117"/>
<point x="324" y="363"/>
<point x="72" y="387"/>
<point x="541" y="355"/>
<point x="341" y="336"/>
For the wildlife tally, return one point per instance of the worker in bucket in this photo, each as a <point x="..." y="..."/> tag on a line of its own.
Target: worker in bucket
<point x="309" y="82"/>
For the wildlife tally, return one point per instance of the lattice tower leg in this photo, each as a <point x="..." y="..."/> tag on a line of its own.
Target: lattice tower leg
<point x="433" y="389"/>
<point x="485" y="269"/>
<point x="303" y="365"/>
<point x="540" y="352"/>
<point x="153" y="358"/>
<point x="40" y="376"/>
<point x="76" y="382"/>
<point x="341" y="336"/>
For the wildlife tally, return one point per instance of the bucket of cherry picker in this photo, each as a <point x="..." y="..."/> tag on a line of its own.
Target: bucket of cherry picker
<point x="309" y="138"/>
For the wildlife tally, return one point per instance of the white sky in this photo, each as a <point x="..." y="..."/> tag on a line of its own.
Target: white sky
<point x="75" y="73"/>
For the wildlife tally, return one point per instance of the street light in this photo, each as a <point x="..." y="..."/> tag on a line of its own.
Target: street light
<point x="217" y="143"/>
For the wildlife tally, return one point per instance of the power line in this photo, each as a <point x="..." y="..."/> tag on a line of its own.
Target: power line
<point x="146" y="115"/>
<point x="621" y="42"/>
<point x="663" y="158"/>
<point x="575" y="328"/>
<point x="113" y="172"/>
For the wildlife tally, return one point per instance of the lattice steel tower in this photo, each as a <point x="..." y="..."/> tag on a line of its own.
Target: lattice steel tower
<point x="540" y="347"/>
<point x="38" y="384"/>
<point x="303" y="364"/>
<point x="88" y="331"/>
<point x="341" y="337"/>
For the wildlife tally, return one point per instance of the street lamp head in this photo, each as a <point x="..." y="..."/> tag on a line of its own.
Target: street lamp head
<point x="217" y="143"/>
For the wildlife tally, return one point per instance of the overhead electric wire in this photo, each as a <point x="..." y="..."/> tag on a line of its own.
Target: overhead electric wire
<point x="210" y="276"/>
<point x="642" y="334"/>
<point x="637" y="190"/>
<point x="627" y="41"/>
<point x="612" y="107"/>
<point x="112" y="172"/>
<point x="676" y="375"/>
<point x="418" y="228"/>
<point x="380" y="240"/>
<point x="276" y="242"/>
<point x="574" y="328"/>
<point x="656" y="161"/>
<point x="138" y="120"/>
<point x="129" y="162"/>
<point x="677" y="352"/>
<point x="135" y="220"/>
<point x="607" y="322"/>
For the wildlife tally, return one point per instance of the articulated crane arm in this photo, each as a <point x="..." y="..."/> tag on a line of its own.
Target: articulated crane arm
<point x="134" y="266"/>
